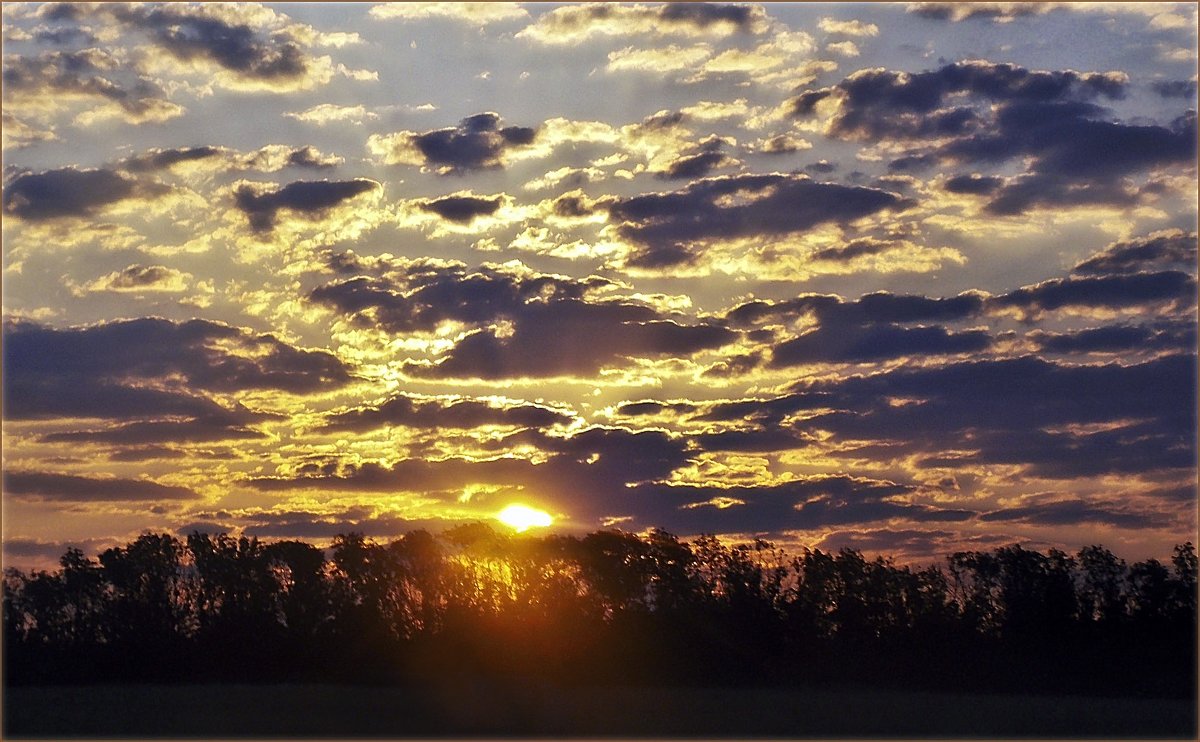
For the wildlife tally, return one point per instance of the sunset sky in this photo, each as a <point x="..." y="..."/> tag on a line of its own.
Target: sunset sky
<point x="906" y="278"/>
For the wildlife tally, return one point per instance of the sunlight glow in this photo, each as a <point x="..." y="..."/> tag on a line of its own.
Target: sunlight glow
<point x="521" y="518"/>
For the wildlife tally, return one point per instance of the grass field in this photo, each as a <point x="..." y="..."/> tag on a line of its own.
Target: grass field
<point x="466" y="709"/>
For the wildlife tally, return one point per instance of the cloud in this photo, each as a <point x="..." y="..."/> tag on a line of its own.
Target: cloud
<point x="46" y="83"/>
<point x="847" y="28"/>
<point x="1172" y="248"/>
<point x="1173" y="288"/>
<point x="327" y="113"/>
<point x="218" y="425"/>
<point x="462" y="209"/>
<point x="878" y="103"/>
<point x="1175" y="336"/>
<point x="843" y="48"/>
<point x="477" y="143"/>
<point x="1020" y="411"/>
<point x="74" y="488"/>
<point x="131" y="369"/>
<point x="18" y="133"/>
<point x="479" y="14"/>
<point x="186" y="160"/>
<point x="587" y="471"/>
<point x="879" y="307"/>
<point x="1075" y="511"/>
<point x="140" y="279"/>
<point x="418" y="295"/>
<point x="253" y="48"/>
<point x="670" y="227"/>
<point x="511" y="311"/>
<point x="164" y="159"/>
<point x="870" y="343"/>
<point x="996" y="12"/>
<point x="575" y="23"/>
<point x="1185" y="89"/>
<point x="804" y="503"/>
<point x="437" y="413"/>
<point x="699" y="160"/>
<point x="974" y="184"/>
<point x="306" y="199"/>
<point x="781" y="144"/>
<point x="72" y="192"/>
<point x="588" y="338"/>
<point x="1074" y="156"/>
<point x="671" y="58"/>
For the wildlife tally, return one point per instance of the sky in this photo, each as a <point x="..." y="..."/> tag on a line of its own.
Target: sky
<point x="906" y="278"/>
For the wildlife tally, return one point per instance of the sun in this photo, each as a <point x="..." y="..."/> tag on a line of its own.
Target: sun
<point x="522" y="517"/>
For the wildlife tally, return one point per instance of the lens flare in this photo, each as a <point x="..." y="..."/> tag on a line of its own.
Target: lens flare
<point x="522" y="517"/>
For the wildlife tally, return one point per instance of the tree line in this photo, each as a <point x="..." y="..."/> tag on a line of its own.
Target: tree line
<point x="610" y="606"/>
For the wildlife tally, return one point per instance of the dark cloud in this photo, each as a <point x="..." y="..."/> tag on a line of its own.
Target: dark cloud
<point x="72" y="192"/>
<point x="699" y="160"/>
<point x="1073" y="512"/>
<point x="666" y="226"/>
<point x="191" y="33"/>
<point x="300" y="524"/>
<point x="308" y="199"/>
<point x="879" y="307"/>
<point x="1180" y="336"/>
<point x="87" y="73"/>
<point x="461" y="209"/>
<point x="140" y="276"/>
<point x="820" y="167"/>
<point x="883" y="104"/>
<point x="703" y="15"/>
<point x="514" y="312"/>
<point x="419" y="295"/>
<point x="912" y="163"/>
<point x="478" y="142"/>
<point x="586" y="471"/>
<point x="205" y="355"/>
<point x="862" y="344"/>
<point x="587" y="338"/>
<point x="149" y="374"/>
<point x="998" y="12"/>
<point x="62" y="35"/>
<point x="654" y="407"/>
<point x="974" y="184"/>
<point x="416" y="412"/>
<point x="147" y="453"/>
<point x="853" y="249"/>
<point x="1169" y="248"/>
<point x="574" y="204"/>
<point x="1057" y="420"/>
<point x="47" y="553"/>
<point x="1108" y="292"/>
<point x="1185" y="89"/>
<point x="1024" y="411"/>
<point x="73" y="488"/>
<point x="161" y="159"/>
<point x="806" y="503"/>
<point x="207" y="428"/>
<point x="1076" y="160"/>
<point x="696" y="166"/>
<point x="980" y="112"/>
<point x="310" y="157"/>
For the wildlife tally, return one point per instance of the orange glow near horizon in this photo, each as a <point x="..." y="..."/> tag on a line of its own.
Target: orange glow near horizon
<point x="522" y="517"/>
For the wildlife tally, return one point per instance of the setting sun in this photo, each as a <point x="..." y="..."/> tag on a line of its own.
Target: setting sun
<point x="521" y="517"/>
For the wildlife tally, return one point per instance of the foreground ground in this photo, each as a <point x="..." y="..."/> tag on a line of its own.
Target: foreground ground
<point x="486" y="709"/>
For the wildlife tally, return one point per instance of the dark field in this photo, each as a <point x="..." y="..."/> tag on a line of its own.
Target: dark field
<point x="492" y="709"/>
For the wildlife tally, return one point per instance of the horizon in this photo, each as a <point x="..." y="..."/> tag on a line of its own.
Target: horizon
<point x="908" y="279"/>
